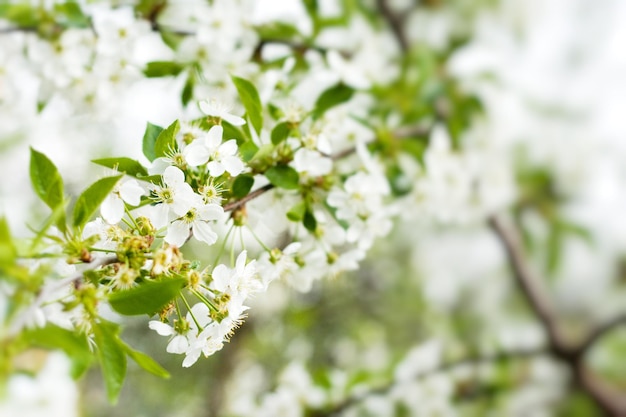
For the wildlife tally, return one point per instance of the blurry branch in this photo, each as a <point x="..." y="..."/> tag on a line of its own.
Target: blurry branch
<point x="444" y="367"/>
<point x="396" y="24"/>
<point x="600" y="331"/>
<point x="611" y="402"/>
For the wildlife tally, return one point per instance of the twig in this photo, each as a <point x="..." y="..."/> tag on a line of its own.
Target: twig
<point x="611" y="402"/>
<point x="600" y="331"/>
<point x="444" y="367"/>
<point x="396" y="24"/>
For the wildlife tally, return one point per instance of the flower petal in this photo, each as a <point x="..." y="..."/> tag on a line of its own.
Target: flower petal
<point x="177" y="233"/>
<point x="161" y="328"/>
<point x="203" y="232"/>
<point x="112" y="209"/>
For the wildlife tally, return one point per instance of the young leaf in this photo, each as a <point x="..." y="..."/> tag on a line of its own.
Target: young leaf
<point x="8" y="252"/>
<point x="251" y="101"/>
<point x="146" y="298"/>
<point x="112" y="358"/>
<point x="46" y="179"/>
<point x="74" y="345"/>
<point x="162" y="69"/>
<point x="242" y="185"/>
<point x="145" y="361"/>
<point x="149" y="140"/>
<point x="187" y="93"/>
<point x="166" y="141"/>
<point x="89" y="201"/>
<point x="248" y="150"/>
<point x="296" y="213"/>
<point x="309" y="221"/>
<point x="280" y="132"/>
<point x="283" y="176"/>
<point x="332" y="97"/>
<point x="123" y="164"/>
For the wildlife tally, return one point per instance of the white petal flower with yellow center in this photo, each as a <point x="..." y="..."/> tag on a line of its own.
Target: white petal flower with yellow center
<point x="112" y="208"/>
<point x="197" y="220"/>
<point x="221" y="157"/>
<point x="215" y="108"/>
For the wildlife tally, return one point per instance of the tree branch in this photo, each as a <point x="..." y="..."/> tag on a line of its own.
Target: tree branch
<point x="600" y="331"/>
<point x="396" y="24"/>
<point x="447" y="366"/>
<point x="611" y="402"/>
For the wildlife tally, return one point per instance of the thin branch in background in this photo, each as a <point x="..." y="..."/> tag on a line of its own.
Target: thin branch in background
<point x="600" y="331"/>
<point x="396" y="24"/>
<point x="444" y="367"/>
<point x="609" y="400"/>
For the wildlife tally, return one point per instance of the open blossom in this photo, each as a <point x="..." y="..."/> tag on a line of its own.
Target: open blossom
<point x="173" y="195"/>
<point x="112" y="208"/>
<point x="220" y="156"/>
<point x="197" y="219"/>
<point x="238" y="282"/>
<point x="214" y="108"/>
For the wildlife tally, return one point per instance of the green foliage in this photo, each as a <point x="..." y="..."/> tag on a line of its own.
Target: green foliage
<point x="251" y="101"/>
<point x="147" y="298"/>
<point x="332" y="97"/>
<point x="89" y="201"/>
<point x="74" y="345"/>
<point x="166" y="141"/>
<point x="283" y="176"/>
<point x="8" y="253"/>
<point x="242" y="185"/>
<point x="122" y="164"/>
<point x="280" y="132"/>
<point x="149" y="141"/>
<point x="145" y="361"/>
<point x="46" y="179"/>
<point x="162" y="69"/>
<point x="296" y="213"/>
<point x="112" y="357"/>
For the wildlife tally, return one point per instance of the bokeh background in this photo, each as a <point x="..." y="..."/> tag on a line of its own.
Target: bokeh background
<point x="550" y="75"/>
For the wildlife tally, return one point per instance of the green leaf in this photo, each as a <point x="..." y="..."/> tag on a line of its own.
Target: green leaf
<point x="166" y="141"/>
<point x="242" y="185"/>
<point x="162" y="69"/>
<point x="89" y="201"/>
<point x="283" y="176"/>
<point x="248" y="150"/>
<point x="187" y="93"/>
<point x="149" y="140"/>
<point x="112" y="358"/>
<point x="251" y="101"/>
<point x="146" y="362"/>
<point x="146" y="298"/>
<point x="46" y="179"/>
<point x="332" y="97"/>
<point x="280" y="132"/>
<point x="123" y="164"/>
<point x="8" y="253"/>
<point x="72" y="14"/>
<point x="309" y="221"/>
<point x="296" y="213"/>
<point x="73" y="344"/>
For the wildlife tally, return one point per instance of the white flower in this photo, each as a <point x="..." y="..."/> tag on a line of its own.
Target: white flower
<point x="174" y="194"/>
<point x="311" y="162"/>
<point x="221" y="156"/>
<point x="197" y="219"/>
<point x="178" y="343"/>
<point x="348" y="73"/>
<point x="238" y="282"/>
<point x="214" y="108"/>
<point x="112" y="208"/>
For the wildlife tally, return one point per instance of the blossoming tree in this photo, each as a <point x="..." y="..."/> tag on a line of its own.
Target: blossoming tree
<point x="300" y="133"/>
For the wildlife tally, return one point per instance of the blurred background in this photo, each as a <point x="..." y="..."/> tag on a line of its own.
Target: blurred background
<point x="550" y="78"/>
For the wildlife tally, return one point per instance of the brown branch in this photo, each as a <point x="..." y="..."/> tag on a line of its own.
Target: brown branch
<point x="396" y="24"/>
<point x="600" y="331"/>
<point x="254" y="194"/>
<point x="445" y="367"/>
<point x="528" y="283"/>
<point x="611" y="402"/>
